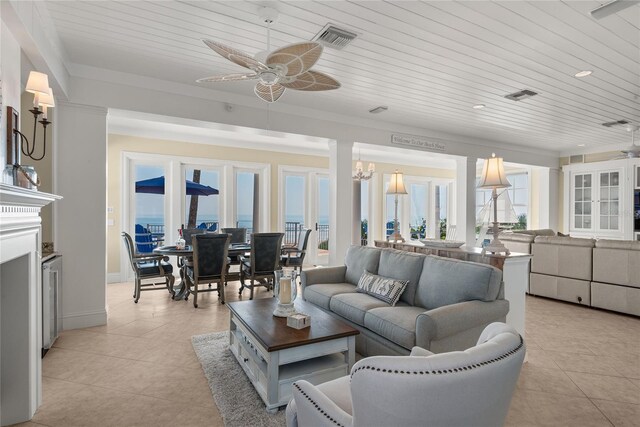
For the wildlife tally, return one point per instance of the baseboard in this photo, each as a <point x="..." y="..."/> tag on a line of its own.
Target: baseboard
<point x="84" y="320"/>
<point x="113" y="278"/>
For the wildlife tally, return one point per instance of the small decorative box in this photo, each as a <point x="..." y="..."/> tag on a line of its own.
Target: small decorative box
<point x="299" y="321"/>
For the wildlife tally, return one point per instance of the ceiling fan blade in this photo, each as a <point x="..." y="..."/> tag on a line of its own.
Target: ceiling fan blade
<point x="235" y="55"/>
<point x="269" y="93"/>
<point x="228" y="77"/>
<point x="312" y="81"/>
<point x="296" y="58"/>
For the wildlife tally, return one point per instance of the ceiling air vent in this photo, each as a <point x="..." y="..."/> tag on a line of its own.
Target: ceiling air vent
<point x="615" y="123"/>
<point x="576" y="159"/>
<point x="519" y="96"/>
<point x="334" y="37"/>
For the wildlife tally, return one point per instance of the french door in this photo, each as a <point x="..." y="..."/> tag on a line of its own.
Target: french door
<point x="304" y="203"/>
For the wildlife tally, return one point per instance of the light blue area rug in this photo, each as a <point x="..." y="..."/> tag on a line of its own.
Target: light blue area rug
<point x="238" y="402"/>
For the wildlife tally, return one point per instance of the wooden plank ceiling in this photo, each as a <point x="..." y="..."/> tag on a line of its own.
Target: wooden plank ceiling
<point x="429" y="62"/>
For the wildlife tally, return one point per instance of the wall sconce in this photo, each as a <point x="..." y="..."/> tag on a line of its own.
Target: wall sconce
<point x="38" y="84"/>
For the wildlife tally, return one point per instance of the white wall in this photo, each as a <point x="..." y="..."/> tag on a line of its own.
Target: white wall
<point x="10" y="66"/>
<point x="79" y="225"/>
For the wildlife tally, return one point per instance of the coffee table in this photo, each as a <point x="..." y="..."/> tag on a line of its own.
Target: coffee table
<point x="274" y="355"/>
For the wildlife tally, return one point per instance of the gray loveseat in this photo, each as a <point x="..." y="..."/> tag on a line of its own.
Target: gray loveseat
<point x="445" y="306"/>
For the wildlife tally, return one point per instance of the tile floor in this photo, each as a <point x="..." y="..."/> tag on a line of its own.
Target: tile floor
<point x="140" y="369"/>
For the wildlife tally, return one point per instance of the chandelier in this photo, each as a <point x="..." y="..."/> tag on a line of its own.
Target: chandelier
<point x="360" y="175"/>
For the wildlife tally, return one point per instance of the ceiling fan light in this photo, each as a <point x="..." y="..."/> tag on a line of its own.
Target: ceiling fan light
<point x="479" y="106"/>
<point x="269" y="78"/>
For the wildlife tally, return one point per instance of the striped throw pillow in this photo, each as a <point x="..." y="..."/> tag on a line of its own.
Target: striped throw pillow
<point x="384" y="288"/>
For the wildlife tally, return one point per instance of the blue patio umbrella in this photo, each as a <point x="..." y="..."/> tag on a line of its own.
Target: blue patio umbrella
<point x="156" y="186"/>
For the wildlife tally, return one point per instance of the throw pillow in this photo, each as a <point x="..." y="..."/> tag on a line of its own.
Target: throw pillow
<point x="384" y="288"/>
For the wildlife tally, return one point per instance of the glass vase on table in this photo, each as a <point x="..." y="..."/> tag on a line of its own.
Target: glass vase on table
<point x="180" y="243"/>
<point x="286" y="291"/>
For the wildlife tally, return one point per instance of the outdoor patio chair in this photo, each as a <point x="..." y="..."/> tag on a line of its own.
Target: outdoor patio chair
<point x="209" y="264"/>
<point x="264" y="260"/>
<point x="146" y="267"/>
<point x="144" y="240"/>
<point x="294" y="256"/>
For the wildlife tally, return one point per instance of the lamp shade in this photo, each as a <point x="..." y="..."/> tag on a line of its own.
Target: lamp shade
<point x="493" y="175"/>
<point x="396" y="184"/>
<point x="38" y="83"/>
<point x="47" y="100"/>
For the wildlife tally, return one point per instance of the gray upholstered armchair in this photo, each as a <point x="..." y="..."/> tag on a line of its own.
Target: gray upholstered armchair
<point x="460" y="388"/>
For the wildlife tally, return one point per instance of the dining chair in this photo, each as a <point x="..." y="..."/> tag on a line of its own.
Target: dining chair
<point x="146" y="267"/>
<point x="238" y="235"/>
<point x="209" y="264"/>
<point x="263" y="261"/>
<point x="188" y="233"/>
<point x="294" y="256"/>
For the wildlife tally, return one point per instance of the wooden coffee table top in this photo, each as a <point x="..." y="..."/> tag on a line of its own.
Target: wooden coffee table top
<point x="274" y="334"/>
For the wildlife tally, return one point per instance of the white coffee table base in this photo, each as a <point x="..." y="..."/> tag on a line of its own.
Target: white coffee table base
<point x="273" y="373"/>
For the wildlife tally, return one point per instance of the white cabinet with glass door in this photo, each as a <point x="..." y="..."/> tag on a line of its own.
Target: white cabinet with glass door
<point x="597" y="199"/>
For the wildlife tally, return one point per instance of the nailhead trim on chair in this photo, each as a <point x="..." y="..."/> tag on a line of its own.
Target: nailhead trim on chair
<point x="447" y="371"/>
<point x="317" y="406"/>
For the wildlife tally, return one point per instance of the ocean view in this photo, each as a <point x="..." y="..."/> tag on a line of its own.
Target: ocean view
<point x="242" y="219"/>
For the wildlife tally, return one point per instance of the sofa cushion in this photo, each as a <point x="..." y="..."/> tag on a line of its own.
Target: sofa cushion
<point x="383" y="288"/>
<point x="446" y="281"/>
<point x="359" y="259"/>
<point x="397" y="324"/>
<point x="353" y="306"/>
<point x="321" y="294"/>
<point x="402" y="266"/>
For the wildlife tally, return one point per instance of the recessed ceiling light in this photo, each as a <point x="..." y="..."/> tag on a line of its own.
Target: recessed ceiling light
<point x="479" y="106"/>
<point x="584" y="73"/>
<point x="581" y="145"/>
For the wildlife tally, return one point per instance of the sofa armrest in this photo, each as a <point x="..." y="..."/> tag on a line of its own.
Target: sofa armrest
<point x="314" y="408"/>
<point x="323" y="275"/>
<point x="451" y="319"/>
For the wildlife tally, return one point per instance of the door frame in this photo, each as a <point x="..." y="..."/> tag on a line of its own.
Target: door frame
<point x="310" y="206"/>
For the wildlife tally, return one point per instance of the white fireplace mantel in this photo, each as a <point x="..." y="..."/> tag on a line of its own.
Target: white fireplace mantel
<point x="20" y="302"/>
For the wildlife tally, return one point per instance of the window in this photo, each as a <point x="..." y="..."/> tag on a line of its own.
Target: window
<point x="148" y="206"/>
<point x="202" y="211"/>
<point x="245" y="208"/>
<point x="418" y="208"/>
<point x="364" y="213"/>
<point x="513" y="202"/>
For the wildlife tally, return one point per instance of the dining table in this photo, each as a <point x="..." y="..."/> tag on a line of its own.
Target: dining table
<point x="184" y="255"/>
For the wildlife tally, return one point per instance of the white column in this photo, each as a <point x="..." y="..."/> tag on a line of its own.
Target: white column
<point x="548" y="181"/>
<point x="357" y="212"/>
<point x="375" y="209"/>
<point x="340" y="200"/>
<point x="80" y="161"/>
<point x="466" y="200"/>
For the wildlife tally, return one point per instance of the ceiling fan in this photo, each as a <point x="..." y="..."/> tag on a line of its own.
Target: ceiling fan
<point x="633" y="152"/>
<point x="284" y="68"/>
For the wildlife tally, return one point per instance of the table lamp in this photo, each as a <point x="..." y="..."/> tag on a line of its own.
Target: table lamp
<point x="493" y="177"/>
<point x="396" y="187"/>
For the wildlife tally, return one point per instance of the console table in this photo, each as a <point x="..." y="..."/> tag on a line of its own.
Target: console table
<point x="515" y="272"/>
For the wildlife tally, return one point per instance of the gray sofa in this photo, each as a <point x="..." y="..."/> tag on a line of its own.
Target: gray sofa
<point x="616" y="276"/>
<point x="521" y="240"/>
<point x="445" y="306"/>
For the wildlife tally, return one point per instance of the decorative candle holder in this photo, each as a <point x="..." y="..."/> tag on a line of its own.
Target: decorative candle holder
<point x="285" y="290"/>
